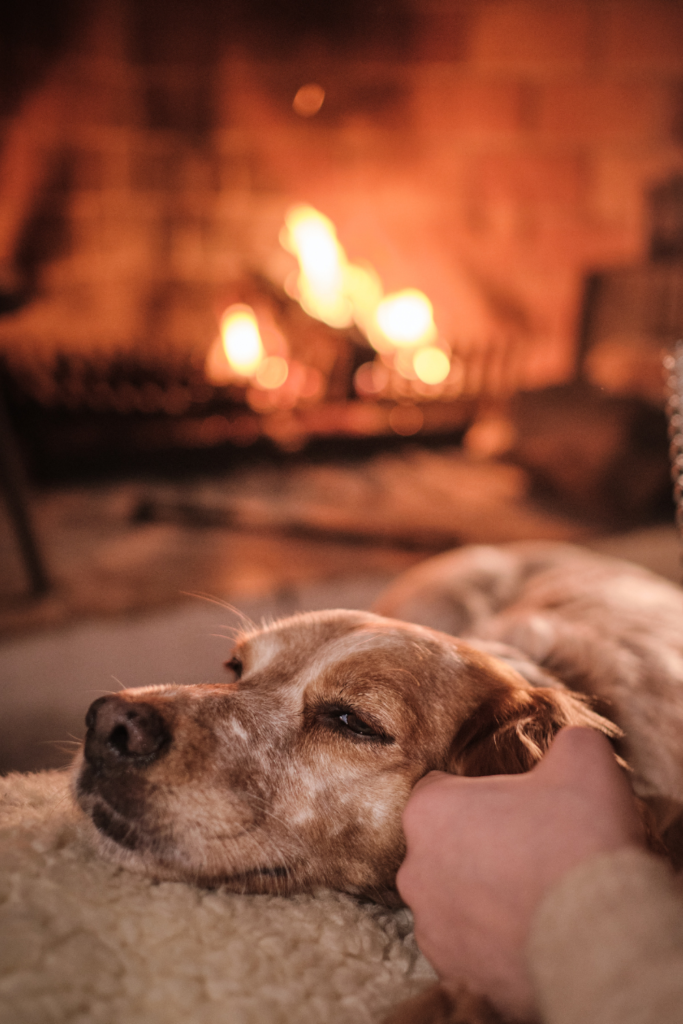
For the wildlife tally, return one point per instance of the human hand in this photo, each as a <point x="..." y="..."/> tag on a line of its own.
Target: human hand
<point x="483" y="851"/>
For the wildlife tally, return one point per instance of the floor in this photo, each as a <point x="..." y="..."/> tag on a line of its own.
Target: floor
<point x="132" y="545"/>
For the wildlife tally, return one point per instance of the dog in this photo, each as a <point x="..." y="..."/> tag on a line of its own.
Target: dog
<point x="293" y="775"/>
<point x="596" y="625"/>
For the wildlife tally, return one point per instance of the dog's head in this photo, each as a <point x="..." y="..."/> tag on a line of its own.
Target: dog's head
<point x="294" y="774"/>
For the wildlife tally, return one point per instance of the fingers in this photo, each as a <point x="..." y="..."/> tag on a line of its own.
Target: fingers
<point x="482" y="852"/>
<point x="573" y="743"/>
<point x="578" y="780"/>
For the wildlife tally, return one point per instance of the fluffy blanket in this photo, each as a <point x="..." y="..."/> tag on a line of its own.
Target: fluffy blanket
<point x="86" y="942"/>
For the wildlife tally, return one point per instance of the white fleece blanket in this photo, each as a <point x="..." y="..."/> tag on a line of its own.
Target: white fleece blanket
<point x="85" y="942"/>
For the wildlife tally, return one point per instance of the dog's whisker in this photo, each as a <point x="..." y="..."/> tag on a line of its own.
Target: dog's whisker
<point x="211" y="599"/>
<point x="65" y="741"/>
<point x="236" y="632"/>
<point x="273" y="849"/>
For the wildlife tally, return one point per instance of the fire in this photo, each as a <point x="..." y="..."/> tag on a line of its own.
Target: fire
<point x="241" y="339"/>
<point x="238" y="351"/>
<point x="412" y="360"/>
<point x="431" y="365"/>
<point x="406" y="318"/>
<point x="364" y="289"/>
<point x="272" y="372"/>
<point x="312" y="237"/>
<point x="251" y="350"/>
<point x="400" y="326"/>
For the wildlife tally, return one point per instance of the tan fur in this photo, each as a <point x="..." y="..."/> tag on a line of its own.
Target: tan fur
<point x="598" y="625"/>
<point x="260" y="785"/>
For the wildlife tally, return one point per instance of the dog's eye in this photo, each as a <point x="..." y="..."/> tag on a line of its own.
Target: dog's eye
<point x="342" y="720"/>
<point x="235" y="666"/>
<point x="355" y="724"/>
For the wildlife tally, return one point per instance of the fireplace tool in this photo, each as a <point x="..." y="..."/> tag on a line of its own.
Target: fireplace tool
<point x="673" y="365"/>
<point x="13" y="486"/>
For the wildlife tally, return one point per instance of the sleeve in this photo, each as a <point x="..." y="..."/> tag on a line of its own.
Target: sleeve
<point x="606" y="944"/>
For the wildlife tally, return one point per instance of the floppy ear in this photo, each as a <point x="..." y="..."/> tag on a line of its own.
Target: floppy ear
<point x="510" y="732"/>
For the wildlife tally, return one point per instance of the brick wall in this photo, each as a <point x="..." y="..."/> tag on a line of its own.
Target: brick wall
<point x="492" y="159"/>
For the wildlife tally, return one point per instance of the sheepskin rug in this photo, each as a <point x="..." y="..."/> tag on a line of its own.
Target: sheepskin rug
<point x="86" y="942"/>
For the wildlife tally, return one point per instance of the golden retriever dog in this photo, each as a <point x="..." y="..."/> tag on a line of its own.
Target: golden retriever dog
<point x="293" y="775"/>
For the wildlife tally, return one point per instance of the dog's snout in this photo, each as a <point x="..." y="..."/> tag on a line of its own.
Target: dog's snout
<point x="124" y="732"/>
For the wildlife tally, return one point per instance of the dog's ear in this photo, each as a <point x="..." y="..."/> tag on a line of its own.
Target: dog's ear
<point x="510" y="732"/>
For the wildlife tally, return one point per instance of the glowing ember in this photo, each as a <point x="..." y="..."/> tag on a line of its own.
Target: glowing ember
<point x="241" y="339"/>
<point x="251" y="350"/>
<point x="406" y="318"/>
<point x="272" y="372"/>
<point x="311" y="236"/>
<point x="431" y="365"/>
<point x="371" y="378"/>
<point x="308" y="100"/>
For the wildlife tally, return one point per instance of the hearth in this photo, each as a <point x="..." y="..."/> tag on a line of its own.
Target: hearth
<point x="277" y="378"/>
<point x="78" y="413"/>
<point x="155" y="157"/>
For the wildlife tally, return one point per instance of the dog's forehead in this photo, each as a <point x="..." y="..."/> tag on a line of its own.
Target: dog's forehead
<point x="312" y="643"/>
<point x="301" y="634"/>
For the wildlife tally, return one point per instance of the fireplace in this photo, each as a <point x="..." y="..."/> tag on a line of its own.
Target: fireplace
<point x="512" y="168"/>
<point x="485" y="155"/>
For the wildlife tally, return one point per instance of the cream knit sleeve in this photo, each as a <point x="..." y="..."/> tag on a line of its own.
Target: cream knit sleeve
<point x="606" y="946"/>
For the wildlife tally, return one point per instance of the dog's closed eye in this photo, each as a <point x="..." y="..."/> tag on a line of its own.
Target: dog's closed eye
<point x="350" y="723"/>
<point x="356" y="724"/>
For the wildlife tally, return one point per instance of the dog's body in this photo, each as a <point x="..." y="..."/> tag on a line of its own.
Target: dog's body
<point x="295" y="776"/>
<point x="598" y="625"/>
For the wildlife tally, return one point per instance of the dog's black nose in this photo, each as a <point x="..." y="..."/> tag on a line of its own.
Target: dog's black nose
<point x="121" y="732"/>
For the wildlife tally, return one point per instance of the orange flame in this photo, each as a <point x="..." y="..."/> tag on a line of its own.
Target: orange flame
<point x="406" y="318"/>
<point x="431" y="365"/>
<point x="330" y="288"/>
<point x="241" y="339"/>
<point x="312" y="237"/>
<point x="238" y="351"/>
<point x="272" y="372"/>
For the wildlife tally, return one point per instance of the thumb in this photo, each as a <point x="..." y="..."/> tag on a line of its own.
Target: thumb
<point x="430" y="778"/>
<point x="576" y="752"/>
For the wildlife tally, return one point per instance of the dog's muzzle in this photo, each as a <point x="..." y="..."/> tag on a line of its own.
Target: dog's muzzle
<point x="122" y="734"/>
